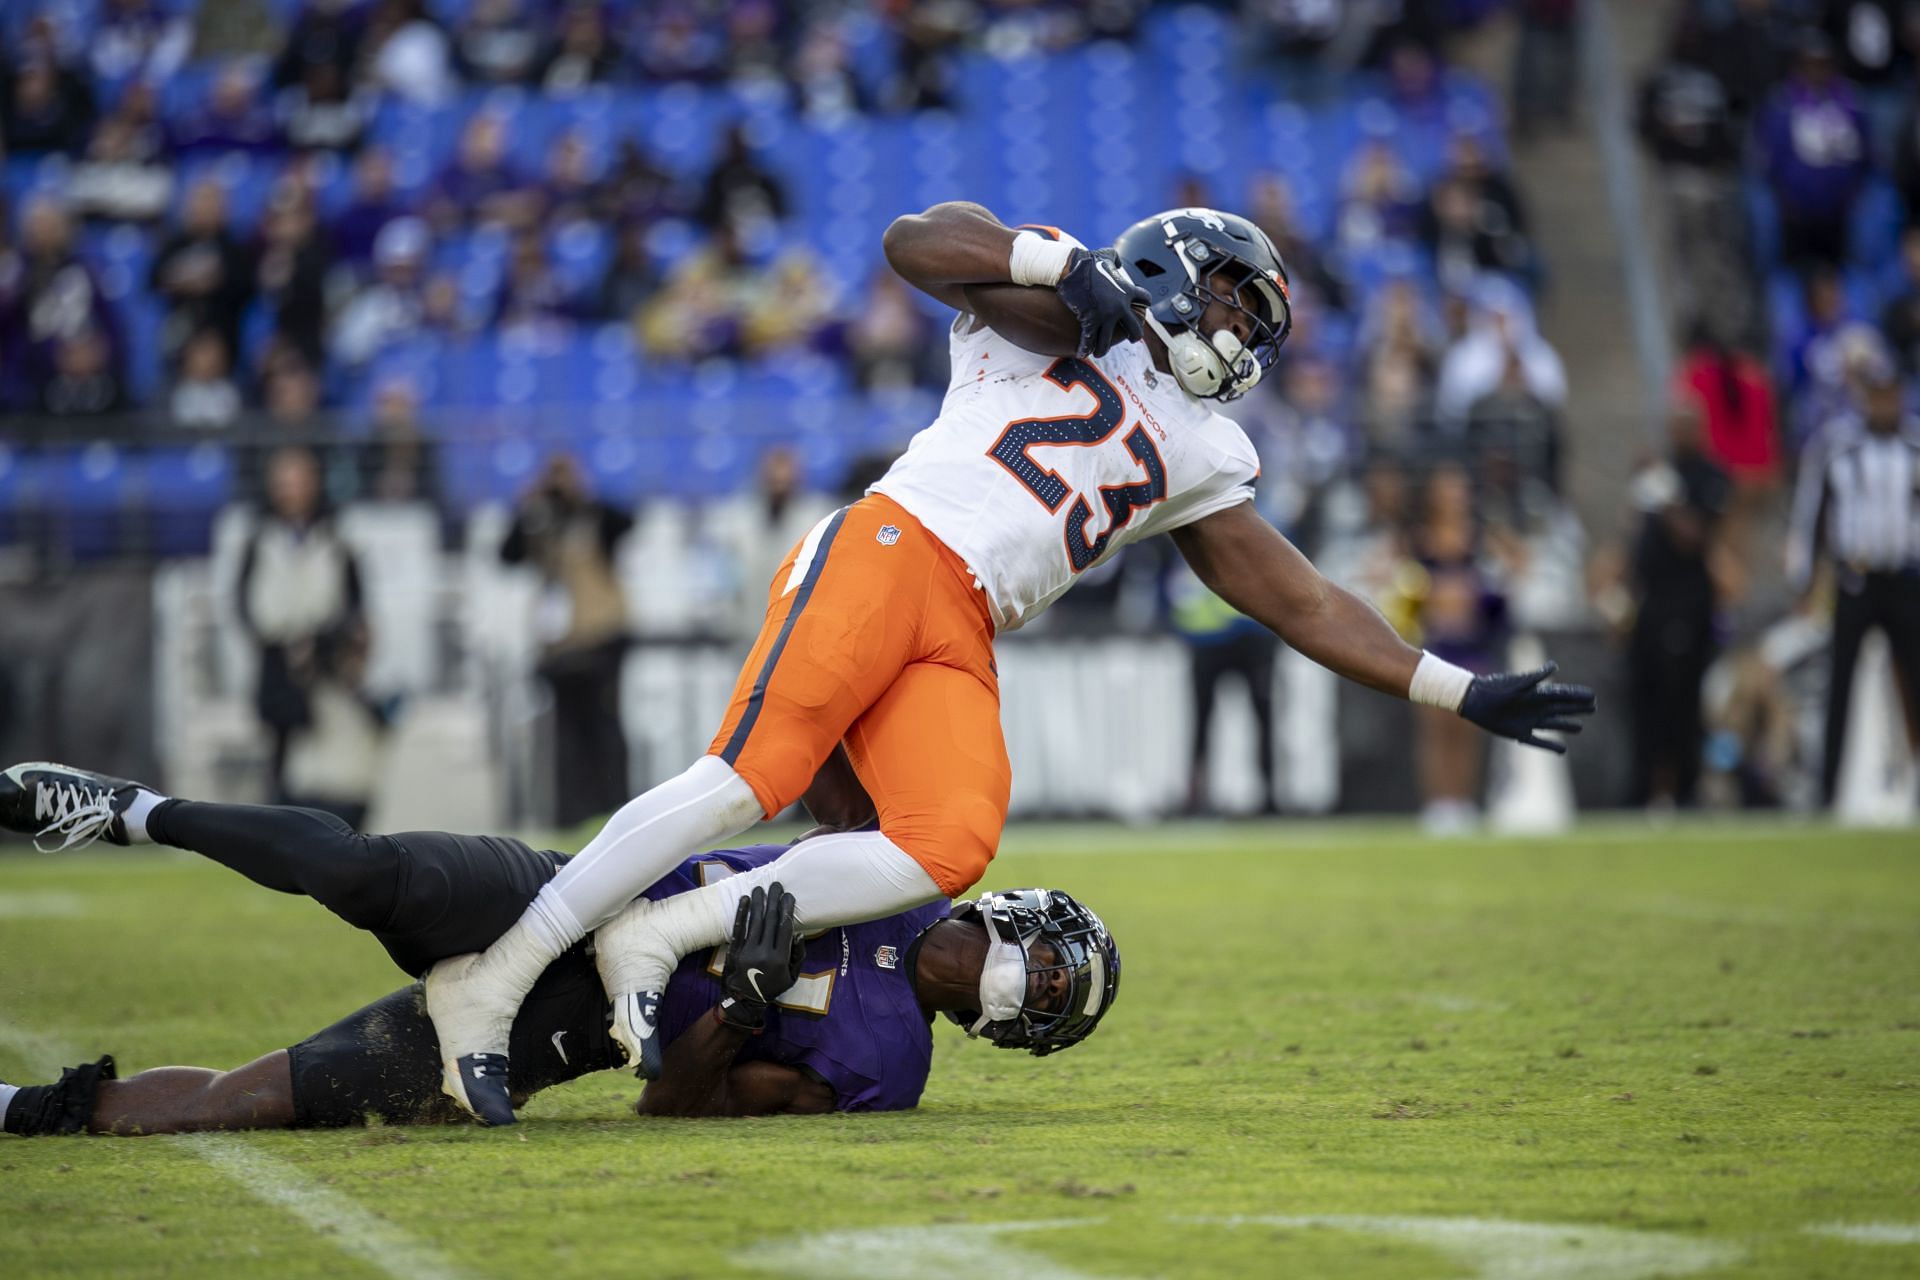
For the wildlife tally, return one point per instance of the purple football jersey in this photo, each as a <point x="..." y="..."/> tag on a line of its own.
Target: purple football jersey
<point x="851" y="1020"/>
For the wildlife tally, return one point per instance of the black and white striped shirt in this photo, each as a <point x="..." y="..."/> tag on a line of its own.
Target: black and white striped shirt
<point x="1858" y="500"/>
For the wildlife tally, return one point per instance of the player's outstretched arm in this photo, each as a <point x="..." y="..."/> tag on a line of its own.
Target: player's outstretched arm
<point x="1042" y="292"/>
<point x="698" y="1074"/>
<point x="1251" y="565"/>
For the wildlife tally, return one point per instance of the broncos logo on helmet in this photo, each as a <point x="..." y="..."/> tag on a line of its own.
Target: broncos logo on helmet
<point x="1051" y="974"/>
<point x="1191" y="260"/>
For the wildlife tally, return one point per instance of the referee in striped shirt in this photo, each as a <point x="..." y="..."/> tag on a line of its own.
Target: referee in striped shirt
<point x="1858" y="503"/>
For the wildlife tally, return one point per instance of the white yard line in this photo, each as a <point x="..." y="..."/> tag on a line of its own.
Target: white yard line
<point x="1869" y="1232"/>
<point x="342" y="1223"/>
<point x="45" y="1054"/>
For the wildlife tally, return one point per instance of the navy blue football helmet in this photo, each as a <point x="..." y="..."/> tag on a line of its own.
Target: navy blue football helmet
<point x="1070" y="970"/>
<point x="1189" y="259"/>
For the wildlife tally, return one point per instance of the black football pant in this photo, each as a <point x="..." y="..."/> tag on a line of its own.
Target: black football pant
<point x="1248" y="654"/>
<point x="1890" y="601"/>
<point x="425" y="895"/>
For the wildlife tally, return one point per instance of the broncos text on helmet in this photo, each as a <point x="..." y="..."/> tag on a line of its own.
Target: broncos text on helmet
<point x="1052" y="970"/>
<point x="1188" y="260"/>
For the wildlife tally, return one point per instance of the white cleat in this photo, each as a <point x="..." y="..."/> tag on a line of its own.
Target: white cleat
<point x="472" y="1013"/>
<point x="634" y="965"/>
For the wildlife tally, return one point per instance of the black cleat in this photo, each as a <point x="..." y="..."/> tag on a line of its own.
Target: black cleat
<point x="483" y="1083"/>
<point x="78" y="806"/>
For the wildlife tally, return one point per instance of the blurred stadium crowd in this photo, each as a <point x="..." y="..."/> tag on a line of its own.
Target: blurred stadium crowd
<point x="582" y="260"/>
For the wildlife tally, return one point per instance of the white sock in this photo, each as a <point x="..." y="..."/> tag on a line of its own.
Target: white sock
<point x="144" y="802"/>
<point x="647" y="838"/>
<point x="6" y="1099"/>
<point x="835" y="879"/>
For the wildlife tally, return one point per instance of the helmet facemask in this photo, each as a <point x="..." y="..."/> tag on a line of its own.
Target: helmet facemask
<point x="1036" y="938"/>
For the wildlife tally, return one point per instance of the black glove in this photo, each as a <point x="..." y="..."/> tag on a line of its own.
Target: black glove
<point x="763" y="957"/>
<point x="1102" y="299"/>
<point x="1516" y="704"/>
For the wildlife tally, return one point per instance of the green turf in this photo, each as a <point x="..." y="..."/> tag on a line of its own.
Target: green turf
<point x="1694" y="1043"/>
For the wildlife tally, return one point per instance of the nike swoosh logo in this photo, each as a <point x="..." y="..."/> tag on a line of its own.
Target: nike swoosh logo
<point x="753" y="976"/>
<point x="560" y="1048"/>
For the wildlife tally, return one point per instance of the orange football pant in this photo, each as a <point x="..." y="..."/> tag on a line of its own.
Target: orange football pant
<point x="876" y="635"/>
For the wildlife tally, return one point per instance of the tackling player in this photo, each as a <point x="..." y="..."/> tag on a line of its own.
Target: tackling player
<point x="771" y="1023"/>
<point x="1071" y="427"/>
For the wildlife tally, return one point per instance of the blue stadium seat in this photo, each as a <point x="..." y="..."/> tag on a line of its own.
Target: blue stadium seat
<point x="186" y="489"/>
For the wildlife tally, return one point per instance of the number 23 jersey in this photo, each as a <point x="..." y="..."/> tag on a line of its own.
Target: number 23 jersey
<point x="1040" y="467"/>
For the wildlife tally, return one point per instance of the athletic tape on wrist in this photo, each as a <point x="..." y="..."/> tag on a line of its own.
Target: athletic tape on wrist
<point x="1035" y="259"/>
<point x="1438" y="683"/>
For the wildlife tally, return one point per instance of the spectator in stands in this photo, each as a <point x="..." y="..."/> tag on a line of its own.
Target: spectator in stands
<point x="482" y="186"/>
<point x="755" y="529"/>
<point x="398" y="463"/>
<point x="124" y="177"/>
<point x="372" y="205"/>
<point x="630" y="278"/>
<point x="324" y="112"/>
<point x="1297" y="38"/>
<point x="85" y="379"/>
<point x="1461" y="612"/>
<point x="1222" y="642"/>
<point x="1399" y="342"/>
<point x="408" y="55"/>
<point x="1680" y="500"/>
<point x="290" y="269"/>
<point x="1304" y="437"/>
<point x="1380" y="202"/>
<point x="701" y="310"/>
<point x="1813" y="146"/>
<point x="1502" y="352"/>
<point x="636" y="189"/>
<point x="824" y="77"/>
<point x="531" y="296"/>
<point x="390" y="307"/>
<point x="790" y="304"/>
<point x="740" y="191"/>
<point x="1826" y="360"/>
<point x="561" y="529"/>
<point x="929" y="37"/>
<point x="135" y="38"/>
<point x="1876" y="43"/>
<point x="232" y="118"/>
<point x="1472" y="221"/>
<point x="326" y="33"/>
<point x="570" y="189"/>
<point x="499" y="42"/>
<point x="54" y="304"/>
<point x="290" y="391"/>
<point x="891" y="341"/>
<point x="202" y="273"/>
<point x="1270" y="207"/>
<point x="677" y="40"/>
<point x="300" y="603"/>
<point x="1901" y="319"/>
<point x="584" y="55"/>
<point x="204" y="394"/>
<point x="50" y="108"/>
<point x="1546" y="63"/>
<point x="1749" y="46"/>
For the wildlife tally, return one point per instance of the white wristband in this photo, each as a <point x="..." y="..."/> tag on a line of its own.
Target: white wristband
<point x="1437" y="683"/>
<point x="1038" y="260"/>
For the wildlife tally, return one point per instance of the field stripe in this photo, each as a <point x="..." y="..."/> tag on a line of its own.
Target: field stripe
<point x="340" y="1221"/>
<point x="1869" y="1232"/>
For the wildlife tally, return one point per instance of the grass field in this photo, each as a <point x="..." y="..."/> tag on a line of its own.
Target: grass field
<point x="1338" y="1051"/>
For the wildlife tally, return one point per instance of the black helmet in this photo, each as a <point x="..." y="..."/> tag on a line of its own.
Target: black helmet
<point x="1178" y="257"/>
<point x="1082" y="949"/>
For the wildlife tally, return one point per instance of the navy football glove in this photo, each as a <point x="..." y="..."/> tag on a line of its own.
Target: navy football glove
<point x="1102" y="299"/>
<point x="1517" y="704"/>
<point x="763" y="957"/>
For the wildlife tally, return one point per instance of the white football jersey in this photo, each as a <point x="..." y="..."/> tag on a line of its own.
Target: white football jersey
<point x="1040" y="467"/>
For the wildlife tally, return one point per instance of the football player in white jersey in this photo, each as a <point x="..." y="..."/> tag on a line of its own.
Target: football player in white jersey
<point x="1079" y="418"/>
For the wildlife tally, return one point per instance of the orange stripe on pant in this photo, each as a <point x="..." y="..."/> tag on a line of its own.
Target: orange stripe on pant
<point x="875" y="634"/>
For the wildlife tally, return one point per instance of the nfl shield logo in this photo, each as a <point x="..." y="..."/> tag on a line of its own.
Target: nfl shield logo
<point x="887" y="536"/>
<point x="887" y="957"/>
